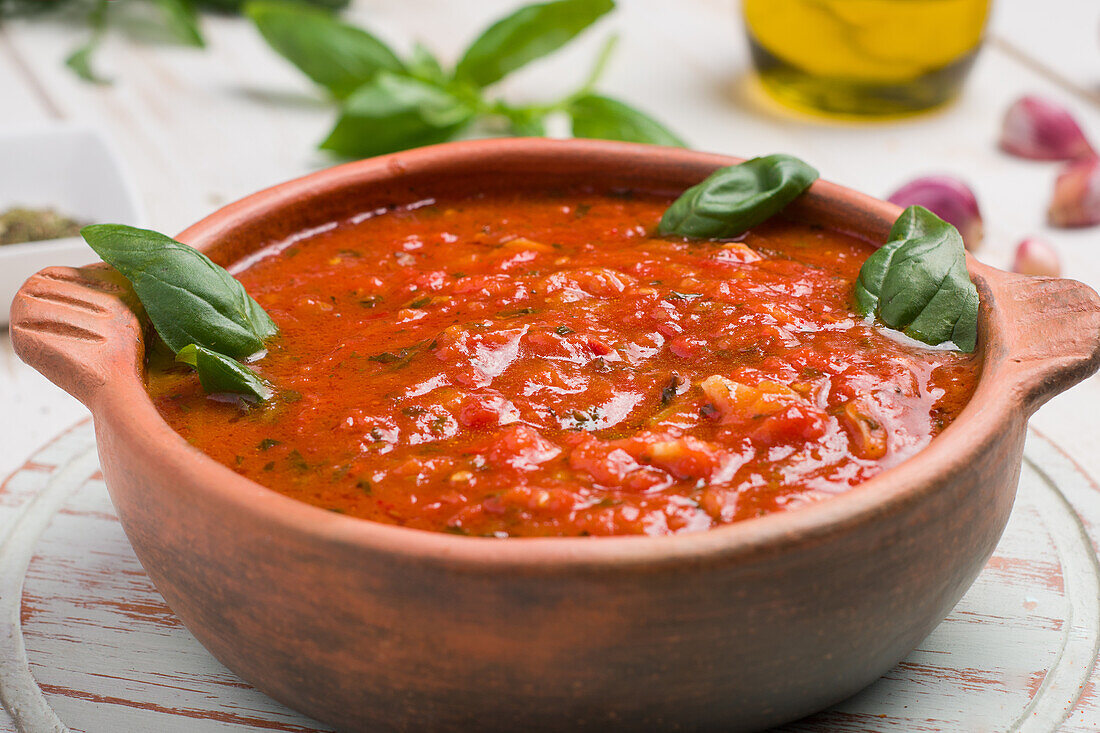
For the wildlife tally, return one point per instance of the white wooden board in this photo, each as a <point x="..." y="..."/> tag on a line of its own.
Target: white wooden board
<point x="87" y="643"/>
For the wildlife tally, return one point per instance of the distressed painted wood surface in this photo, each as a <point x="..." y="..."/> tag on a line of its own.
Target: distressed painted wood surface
<point x="199" y="128"/>
<point x="87" y="643"/>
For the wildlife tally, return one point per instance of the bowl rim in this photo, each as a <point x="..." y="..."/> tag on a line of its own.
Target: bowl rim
<point x="132" y="416"/>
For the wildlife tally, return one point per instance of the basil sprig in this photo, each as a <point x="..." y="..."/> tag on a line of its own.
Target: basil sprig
<point x="218" y="373"/>
<point x="736" y="198"/>
<point x="918" y="283"/>
<point x="197" y="307"/>
<point x="388" y="103"/>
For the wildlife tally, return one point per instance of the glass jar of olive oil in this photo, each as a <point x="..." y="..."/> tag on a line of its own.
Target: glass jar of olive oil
<point x="866" y="58"/>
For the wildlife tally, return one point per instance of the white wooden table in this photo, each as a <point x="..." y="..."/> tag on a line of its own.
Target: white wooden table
<point x="198" y="129"/>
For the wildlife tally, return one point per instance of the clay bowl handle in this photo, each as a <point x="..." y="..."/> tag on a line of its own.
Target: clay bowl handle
<point x="1051" y="330"/>
<point x="77" y="327"/>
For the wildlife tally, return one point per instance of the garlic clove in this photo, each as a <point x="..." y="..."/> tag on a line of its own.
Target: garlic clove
<point x="1039" y="129"/>
<point x="948" y="198"/>
<point x="1036" y="256"/>
<point x="1076" y="200"/>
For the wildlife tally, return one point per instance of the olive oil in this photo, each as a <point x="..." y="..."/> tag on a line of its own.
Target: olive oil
<point x="868" y="58"/>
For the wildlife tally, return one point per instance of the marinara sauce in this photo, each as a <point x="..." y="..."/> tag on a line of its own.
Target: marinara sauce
<point x="544" y="364"/>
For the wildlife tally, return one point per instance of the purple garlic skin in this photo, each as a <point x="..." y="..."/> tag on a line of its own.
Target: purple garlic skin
<point x="1076" y="201"/>
<point x="948" y="198"/>
<point x="1039" y="129"/>
<point x="1035" y="256"/>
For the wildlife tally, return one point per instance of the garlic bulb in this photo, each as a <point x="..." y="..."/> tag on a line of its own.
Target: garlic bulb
<point x="1076" y="201"/>
<point x="1035" y="256"/>
<point x="1039" y="129"/>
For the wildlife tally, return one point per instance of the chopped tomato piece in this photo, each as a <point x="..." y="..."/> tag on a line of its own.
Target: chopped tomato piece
<point x="866" y="433"/>
<point x="522" y="448"/>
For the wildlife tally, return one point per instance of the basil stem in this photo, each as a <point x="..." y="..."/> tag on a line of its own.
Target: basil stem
<point x="219" y="374"/>
<point x="189" y="299"/>
<point x="918" y="283"/>
<point x="734" y="199"/>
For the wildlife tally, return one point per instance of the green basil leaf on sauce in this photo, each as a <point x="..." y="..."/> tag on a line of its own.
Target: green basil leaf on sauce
<point x="525" y="35"/>
<point x="219" y="374"/>
<point x="596" y="116"/>
<point x="395" y="113"/>
<point x="734" y="199"/>
<point x="189" y="299"/>
<point x="335" y="55"/>
<point x="917" y="282"/>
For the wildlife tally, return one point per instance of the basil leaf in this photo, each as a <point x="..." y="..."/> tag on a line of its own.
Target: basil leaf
<point x="181" y="21"/>
<point x="220" y="374"/>
<point x="80" y="61"/>
<point x="189" y="299"/>
<point x="734" y="199"/>
<point x="396" y="113"/>
<point x="602" y="117"/>
<point x="425" y="66"/>
<point x="338" y="56"/>
<point x="917" y="282"/>
<point x="525" y="35"/>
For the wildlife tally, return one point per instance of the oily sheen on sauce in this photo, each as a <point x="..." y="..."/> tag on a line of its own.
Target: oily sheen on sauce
<point x="543" y="364"/>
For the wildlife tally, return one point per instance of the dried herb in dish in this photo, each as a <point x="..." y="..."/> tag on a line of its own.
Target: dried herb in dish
<point x="918" y="283"/>
<point x="21" y="224"/>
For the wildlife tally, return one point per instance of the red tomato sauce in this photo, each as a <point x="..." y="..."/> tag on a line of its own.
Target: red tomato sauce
<point x="543" y="364"/>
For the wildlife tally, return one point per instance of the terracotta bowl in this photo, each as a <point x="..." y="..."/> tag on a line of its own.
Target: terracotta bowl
<point x="374" y="627"/>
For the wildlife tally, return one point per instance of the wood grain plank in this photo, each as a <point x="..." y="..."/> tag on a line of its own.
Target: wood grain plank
<point x="26" y="100"/>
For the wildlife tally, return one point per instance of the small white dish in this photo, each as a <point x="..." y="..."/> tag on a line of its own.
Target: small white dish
<point x="72" y="170"/>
